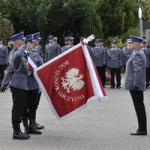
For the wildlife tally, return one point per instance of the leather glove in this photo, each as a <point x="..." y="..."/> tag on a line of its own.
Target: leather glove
<point x="3" y="88"/>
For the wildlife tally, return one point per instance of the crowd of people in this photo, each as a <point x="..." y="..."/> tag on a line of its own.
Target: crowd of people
<point x="107" y="60"/>
<point x="19" y="76"/>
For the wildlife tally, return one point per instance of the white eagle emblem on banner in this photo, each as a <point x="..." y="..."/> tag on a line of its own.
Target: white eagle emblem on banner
<point x="73" y="80"/>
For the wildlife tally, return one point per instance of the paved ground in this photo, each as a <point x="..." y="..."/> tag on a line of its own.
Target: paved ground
<point x="101" y="126"/>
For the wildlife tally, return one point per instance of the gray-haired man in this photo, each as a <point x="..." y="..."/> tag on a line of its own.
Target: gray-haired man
<point x="135" y="83"/>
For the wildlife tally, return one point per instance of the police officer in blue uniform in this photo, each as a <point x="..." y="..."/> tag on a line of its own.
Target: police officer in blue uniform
<point x="127" y="51"/>
<point x="147" y="54"/>
<point x="114" y="63"/>
<point x="52" y="49"/>
<point x="71" y="41"/>
<point x="67" y="44"/>
<point x="57" y="45"/>
<point x="3" y="59"/>
<point x="99" y="58"/>
<point x="135" y="83"/>
<point x="36" y="38"/>
<point x="36" y="42"/>
<point x="33" y="89"/>
<point x="16" y="73"/>
<point x="48" y="47"/>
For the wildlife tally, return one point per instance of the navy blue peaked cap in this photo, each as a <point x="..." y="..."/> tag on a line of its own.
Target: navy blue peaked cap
<point x="29" y="38"/>
<point x="36" y="36"/>
<point x="98" y="41"/>
<point x="50" y="37"/>
<point x="18" y="36"/>
<point x="136" y="39"/>
<point x="67" y="38"/>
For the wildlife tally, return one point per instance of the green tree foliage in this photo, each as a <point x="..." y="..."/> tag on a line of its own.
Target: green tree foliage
<point x="77" y="17"/>
<point x="74" y="17"/>
<point x="92" y="21"/>
<point x="6" y="28"/>
<point x="146" y="10"/>
<point x="27" y="15"/>
<point x="117" y="16"/>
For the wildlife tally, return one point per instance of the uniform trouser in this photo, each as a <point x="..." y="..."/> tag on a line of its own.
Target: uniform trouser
<point x="32" y="104"/>
<point x="115" y="72"/>
<point x="147" y="76"/>
<point x="38" y="101"/>
<point x="101" y="72"/>
<point x="138" y="101"/>
<point x="19" y="97"/>
<point x="2" y="68"/>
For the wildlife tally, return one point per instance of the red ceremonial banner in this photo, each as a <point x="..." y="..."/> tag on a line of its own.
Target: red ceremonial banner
<point x="67" y="82"/>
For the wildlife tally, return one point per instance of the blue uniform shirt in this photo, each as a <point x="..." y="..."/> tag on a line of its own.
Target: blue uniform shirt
<point x="3" y="55"/>
<point x="99" y="56"/>
<point x="51" y="51"/>
<point x="114" y="58"/>
<point x="20" y="68"/>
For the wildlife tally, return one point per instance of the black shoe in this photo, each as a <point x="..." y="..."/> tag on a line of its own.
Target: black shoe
<point x="35" y="125"/>
<point x="112" y="87"/>
<point x="38" y="126"/>
<point x="34" y="131"/>
<point x="118" y="87"/>
<point x="20" y="136"/>
<point x="138" y="132"/>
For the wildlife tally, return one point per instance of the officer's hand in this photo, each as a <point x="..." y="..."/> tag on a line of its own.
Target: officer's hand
<point x="2" y="88"/>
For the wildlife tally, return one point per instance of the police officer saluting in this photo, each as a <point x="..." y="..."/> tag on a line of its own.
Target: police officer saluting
<point x="17" y="75"/>
<point x="99" y="58"/>
<point x="135" y="83"/>
<point x="52" y="49"/>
